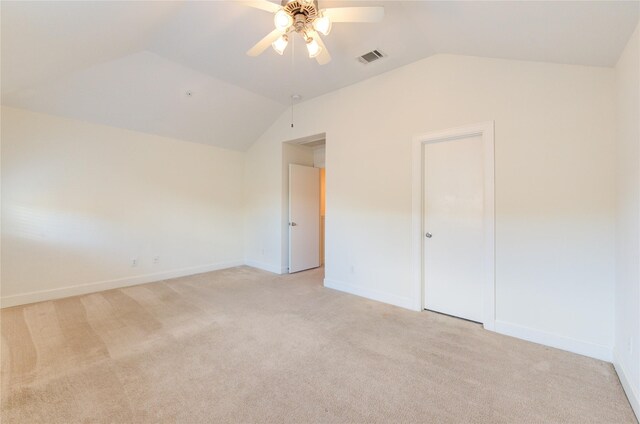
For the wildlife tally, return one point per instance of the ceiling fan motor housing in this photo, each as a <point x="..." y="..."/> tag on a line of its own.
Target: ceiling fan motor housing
<point x="303" y="12"/>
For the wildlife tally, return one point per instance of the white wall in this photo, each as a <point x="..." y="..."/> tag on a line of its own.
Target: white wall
<point x="627" y="288"/>
<point x="555" y="191"/>
<point x="319" y="157"/>
<point x="80" y="200"/>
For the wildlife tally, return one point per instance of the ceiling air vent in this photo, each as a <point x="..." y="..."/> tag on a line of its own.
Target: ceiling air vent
<point x="372" y="56"/>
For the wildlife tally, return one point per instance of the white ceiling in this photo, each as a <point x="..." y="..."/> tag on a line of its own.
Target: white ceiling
<point x="129" y="64"/>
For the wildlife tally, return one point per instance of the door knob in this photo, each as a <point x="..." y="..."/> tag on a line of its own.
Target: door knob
<point x="428" y="235"/>
<point x="293" y="224"/>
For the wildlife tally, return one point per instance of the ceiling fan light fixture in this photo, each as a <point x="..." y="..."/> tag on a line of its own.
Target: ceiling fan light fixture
<point x="280" y="44"/>
<point x="313" y="47"/>
<point x="282" y="20"/>
<point x="322" y="24"/>
<point x="308" y="21"/>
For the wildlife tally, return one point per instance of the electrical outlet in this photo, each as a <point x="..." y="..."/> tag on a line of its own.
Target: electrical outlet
<point x="156" y="260"/>
<point x="630" y="345"/>
<point x="134" y="262"/>
<point x="352" y="269"/>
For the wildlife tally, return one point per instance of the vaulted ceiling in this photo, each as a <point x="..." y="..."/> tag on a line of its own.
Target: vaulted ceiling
<point x="132" y="64"/>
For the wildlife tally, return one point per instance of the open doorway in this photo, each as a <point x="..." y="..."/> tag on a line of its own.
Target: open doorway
<point x="304" y="204"/>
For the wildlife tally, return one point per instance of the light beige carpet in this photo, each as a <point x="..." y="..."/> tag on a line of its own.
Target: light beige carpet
<point x="242" y="345"/>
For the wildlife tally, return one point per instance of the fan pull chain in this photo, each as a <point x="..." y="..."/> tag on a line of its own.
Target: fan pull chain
<point x="293" y="74"/>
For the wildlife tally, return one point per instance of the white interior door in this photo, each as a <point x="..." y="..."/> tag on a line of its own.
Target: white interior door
<point x="453" y="222"/>
<point x="304" y="218"/>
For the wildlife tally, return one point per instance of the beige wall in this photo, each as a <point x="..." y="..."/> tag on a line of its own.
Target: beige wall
<point x="80" y="201"/>
<point x="627" y="289"/>
<point x="555" y="191"/>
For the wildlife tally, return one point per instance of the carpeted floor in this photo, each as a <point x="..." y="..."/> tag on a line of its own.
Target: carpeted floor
<point x="243" y="345"/>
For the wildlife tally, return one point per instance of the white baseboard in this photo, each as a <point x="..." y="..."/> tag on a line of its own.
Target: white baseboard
<point x="603" y="353"/>
<point x="592" y="350"/>
<point x="265" y="267"/>
<point x="42" y="295"/>
<point x="633" y="393"/>
<point x="392" y="299"/>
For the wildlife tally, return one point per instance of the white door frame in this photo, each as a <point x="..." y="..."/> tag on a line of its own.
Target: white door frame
<point x="304" y="233"/>
<point x="484" y="130"/>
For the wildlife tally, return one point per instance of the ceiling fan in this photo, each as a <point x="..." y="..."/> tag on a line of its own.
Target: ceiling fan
<point x="308" y="20"/>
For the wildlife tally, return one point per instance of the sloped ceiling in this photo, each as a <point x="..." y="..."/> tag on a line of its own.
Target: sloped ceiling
<point x="131" y="64"/>
<point x="42" y="41"/>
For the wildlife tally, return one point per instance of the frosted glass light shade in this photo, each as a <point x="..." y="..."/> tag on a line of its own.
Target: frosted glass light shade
<point x="280" y="44"/>
<point x="313" y="48"/>
<point x="322" y="25"/>
<point x="282" y="20"/>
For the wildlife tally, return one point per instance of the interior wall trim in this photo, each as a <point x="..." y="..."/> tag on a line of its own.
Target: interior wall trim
<point x="632" y="394"/>
<point x="604" y="353"/>
<point x="392" y="299"/>
<point x="78" y="289"/>
<point x="266" y="267"/>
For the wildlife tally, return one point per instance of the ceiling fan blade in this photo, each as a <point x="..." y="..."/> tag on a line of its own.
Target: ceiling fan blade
<point x="265" y="5"/>
<point x="355" y="14"/>
<point x="324" y="57"/>
<point x="264" y="44"/>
